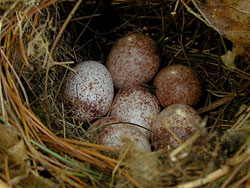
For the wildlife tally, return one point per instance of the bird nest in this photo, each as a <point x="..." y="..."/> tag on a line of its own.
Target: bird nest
<point x="42" y="146"/>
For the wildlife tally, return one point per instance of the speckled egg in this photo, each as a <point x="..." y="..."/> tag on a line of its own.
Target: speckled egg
<point x="88" y="92"/>
<point x="109" y="132"/>
<point x="174" y="125"/>
<point x="178" y="84"/>
<point x="133" y="60"/>
<point x="136" y="105"/>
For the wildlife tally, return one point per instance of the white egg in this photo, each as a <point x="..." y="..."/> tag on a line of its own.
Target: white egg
<point x="136" y="105"/>
<point x="88" y="92"/>
<point x="174" y="125"/>
<point x="110" y="132"/>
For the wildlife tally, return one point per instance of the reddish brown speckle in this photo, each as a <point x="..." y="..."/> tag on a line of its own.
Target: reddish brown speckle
<point x="88" y="93"/>
<point x="178" y="84"/>
<point x="134" y="59"/>
<point x="136" y="105"/>
<point x="181" y="119"/>
<point x="109" y="132"/>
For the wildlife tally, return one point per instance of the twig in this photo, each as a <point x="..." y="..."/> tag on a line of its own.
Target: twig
<point x="6" y="170"/>
<point x="16" y="76"/>
<point x="3" y="185"/>
<point x="29" y="14"/>
<point x="242" y="119"/>
<point x="237" y="184"/>
<point x="192" y="12"/>
<point x="118" y="164"/>
<point x="229" y="179"/>
<point x="92" y="16"/>
<point x="64" y="25"/>
<point x="209" y="178"/>
<point x="215" y="105"/>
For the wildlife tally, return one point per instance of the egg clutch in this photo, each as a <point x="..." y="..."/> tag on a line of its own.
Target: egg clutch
<point x="163" y="120"/>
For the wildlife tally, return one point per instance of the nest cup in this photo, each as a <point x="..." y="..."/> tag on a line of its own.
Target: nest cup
<point x="42" y="144"/>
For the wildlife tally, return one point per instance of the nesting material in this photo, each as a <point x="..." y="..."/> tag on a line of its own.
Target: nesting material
<point x="146" y="168"/>
<point x="40" y="41"/>
<point x="231" y="19"/>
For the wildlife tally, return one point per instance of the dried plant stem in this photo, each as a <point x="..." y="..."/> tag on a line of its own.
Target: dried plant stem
<point x="215" y="104"/>
<point x="127" y="175"/>
<point x="73" y="183"/>
<point x="92" y="16"/>
<point x="83" y="184"/>
<point x="46" y="131"/>
<point x="64" y="25"/>
<point x="237" y="184"/>
<point x="229" y="179"/>
<point x="119" y="163"/>
<point x="243" y="118"/>
<point x="53" y="164"/>
<point x="12" y="22"/>
<point x="209" y="178"/>
<point x="6" y="170"/>
<point x="82" y="149"/>
<point x="17" y="78"/>
<point x="21" y="45"/>
<point x="238" y="161"/>
<point x="183" y="146"/>
<point x="87" y="144"/>
<point x="56" y="41"/>
<point x="3" y="185"/>
<point x="192" y="12"/>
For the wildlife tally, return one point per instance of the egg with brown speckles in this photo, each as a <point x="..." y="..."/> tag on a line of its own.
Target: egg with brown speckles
<point x="88" y="92"/>
<point x="136" y="105"/>
<point x="174" y="125"/>
<point x="111" y="132"/>
<point x="133" y="60"/>
<point x="178" y="84"/>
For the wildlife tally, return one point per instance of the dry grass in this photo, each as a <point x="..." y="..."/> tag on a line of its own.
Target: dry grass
<point x="39" y="42"/>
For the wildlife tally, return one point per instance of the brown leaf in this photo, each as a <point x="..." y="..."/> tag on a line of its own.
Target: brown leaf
<point x="231" y="18"/>
<point x="17" y="153"/>
<point x="12" y="146"/>
<point x="8" y="136"/>
<point x="34" y="180"/>
<point x="228" y="60"/>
